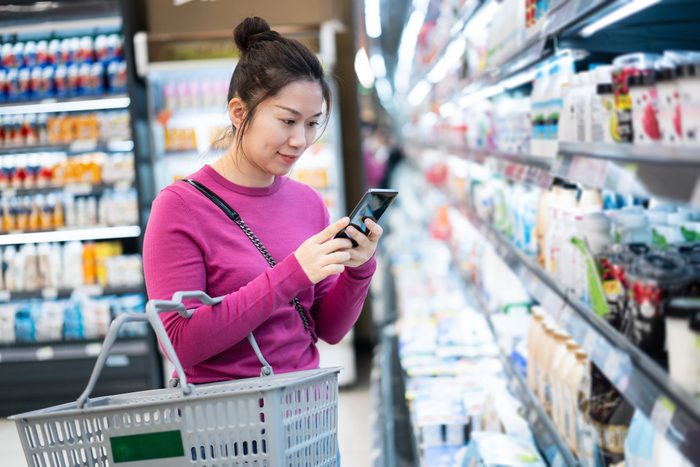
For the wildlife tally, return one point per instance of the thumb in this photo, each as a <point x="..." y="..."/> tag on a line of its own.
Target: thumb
<point x="331" y="231"/>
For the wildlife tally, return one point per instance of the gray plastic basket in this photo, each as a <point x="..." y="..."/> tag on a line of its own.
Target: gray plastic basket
<point x="269" y="421"/>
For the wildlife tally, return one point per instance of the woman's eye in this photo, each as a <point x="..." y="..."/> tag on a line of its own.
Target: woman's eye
<point x="314" y="124"/>
<point x="288" y="122"/>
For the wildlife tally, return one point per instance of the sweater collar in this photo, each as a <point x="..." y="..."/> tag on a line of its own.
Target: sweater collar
<point x="209" y="172"/>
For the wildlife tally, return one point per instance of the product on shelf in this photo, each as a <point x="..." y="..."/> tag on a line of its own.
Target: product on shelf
<point x="682" y="318"/>
<point x="71" y="265"/>
<point x="69" y="67"/>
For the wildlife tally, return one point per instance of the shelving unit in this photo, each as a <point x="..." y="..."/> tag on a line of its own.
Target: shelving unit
<point x="545" y="433"/>
<point x="68" y="105"/>
<point x="664" y="173"/>
<point x="647" y="387"/>
<point x="42" y="373"/>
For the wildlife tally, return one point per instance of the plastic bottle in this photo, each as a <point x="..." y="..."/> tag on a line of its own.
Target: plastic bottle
<point x="567" y="120"/>
<point x="534" y="339"/>
<point x="539" y="109"/>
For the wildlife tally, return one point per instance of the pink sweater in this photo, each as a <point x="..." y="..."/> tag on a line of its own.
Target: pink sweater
<point x="191" y="245"/>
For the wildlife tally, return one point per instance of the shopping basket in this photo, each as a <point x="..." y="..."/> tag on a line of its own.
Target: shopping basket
<point x="273" y="420"/>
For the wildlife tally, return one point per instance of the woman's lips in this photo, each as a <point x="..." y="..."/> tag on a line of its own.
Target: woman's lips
<point x="288" y="159"/>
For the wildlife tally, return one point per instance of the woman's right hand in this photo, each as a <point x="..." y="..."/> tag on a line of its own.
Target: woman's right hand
<point x="323" y="255"/>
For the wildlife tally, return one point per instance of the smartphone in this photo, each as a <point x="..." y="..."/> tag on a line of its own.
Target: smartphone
<point x="372" y="205"/>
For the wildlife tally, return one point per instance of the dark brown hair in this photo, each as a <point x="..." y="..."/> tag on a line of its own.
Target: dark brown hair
<point x="268" y="62"/>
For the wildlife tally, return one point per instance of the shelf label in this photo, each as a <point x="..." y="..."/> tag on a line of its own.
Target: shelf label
<point x="83" y="145"/>
<point x="44" y="353"/>
<point x="590" y="341"/>
<point x="662" y="413"/>
<point x="93" y="350"/>
<point x="618" y="367"/>
<point x="89" y="290"/>
<point x="79" y="188"/>
<point x="49" y="293"/>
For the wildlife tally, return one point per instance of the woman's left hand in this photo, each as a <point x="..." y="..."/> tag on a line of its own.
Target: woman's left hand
<point x="366" y="244"/>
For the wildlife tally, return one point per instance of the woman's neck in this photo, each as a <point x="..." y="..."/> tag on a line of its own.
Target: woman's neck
<point x="238" y="170"/>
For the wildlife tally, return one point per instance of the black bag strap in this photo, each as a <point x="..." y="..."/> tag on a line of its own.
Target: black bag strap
<point x="236" y="218"/>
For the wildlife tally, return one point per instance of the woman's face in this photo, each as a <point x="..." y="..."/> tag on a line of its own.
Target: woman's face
<point x="281" y="129"/>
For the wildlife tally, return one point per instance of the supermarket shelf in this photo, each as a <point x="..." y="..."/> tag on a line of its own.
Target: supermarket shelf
<point x="76" y="147"/>
<point x="76" y="189"/>
<point x="629" y="153"/>
<point x="672" y="410"/>
<point x="56" y="293"/>
<point x="118" y="101"/>
<point x="664" y="172"/>
<point x="546" y="435"/>
<point x="71" y="350"/>
<point x="95" y="233"/>
<point x="516" y="167"/>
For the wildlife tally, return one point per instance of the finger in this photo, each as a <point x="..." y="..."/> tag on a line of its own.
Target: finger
<point x="338" y="257"/>
<point x="375" y="230"/>
<point x="336" y="244"/>
<point x="358" y="236"/>
<point x="332" y="230"/>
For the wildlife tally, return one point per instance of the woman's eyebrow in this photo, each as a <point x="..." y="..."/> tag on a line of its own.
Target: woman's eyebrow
<point x="296" y="112"/>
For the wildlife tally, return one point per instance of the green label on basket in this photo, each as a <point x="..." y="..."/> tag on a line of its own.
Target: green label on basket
<point x="161" y="445"/>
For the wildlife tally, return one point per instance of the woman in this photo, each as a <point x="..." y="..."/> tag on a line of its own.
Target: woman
<point x="277" y="100"/>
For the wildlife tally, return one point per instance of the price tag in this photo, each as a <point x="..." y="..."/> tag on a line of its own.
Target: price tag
<point x="49" y="293"/>
<point x="565" y="315"/>
<point x="89" y="290"/>
<point x="662" y="413"/>
<point x="79" y="188"/>
<point x="617" y="367"/>
<point x="83" y="145"/>
<point x="589" y="342"/>
<point x="552" y="302"/>
<point x="4" y="295"/>
<point x="44" y="353"/>
<point x="93" y="350"/>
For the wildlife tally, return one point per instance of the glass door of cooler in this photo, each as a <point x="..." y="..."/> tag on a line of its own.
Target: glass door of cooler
<point x="69" y="217"/>
<point x="189" y="120"/>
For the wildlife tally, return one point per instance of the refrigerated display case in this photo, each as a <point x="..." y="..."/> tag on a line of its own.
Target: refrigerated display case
<point x="516" y="116"/>
<point x="71" y="222"/>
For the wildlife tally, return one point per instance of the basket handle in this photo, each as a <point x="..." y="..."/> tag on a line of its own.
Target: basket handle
<point x="153" y="308"/>
<point x="111" y="336"/>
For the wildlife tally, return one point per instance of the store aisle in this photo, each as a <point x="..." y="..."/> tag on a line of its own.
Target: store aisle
<point x="354" y="424"/>
<point x="354" y="417"/>
<point x="10" y="447"/>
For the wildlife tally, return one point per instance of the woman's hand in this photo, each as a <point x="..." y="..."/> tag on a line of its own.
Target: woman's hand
<point x="366" y="244"/>
<point x="322" y="255"/>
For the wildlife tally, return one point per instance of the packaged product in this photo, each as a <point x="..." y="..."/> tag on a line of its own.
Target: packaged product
<point x="496" y="449"/>
<point x="654" y="279"/>
<point x="610" y="415"/>
<point x="682" y="319"/>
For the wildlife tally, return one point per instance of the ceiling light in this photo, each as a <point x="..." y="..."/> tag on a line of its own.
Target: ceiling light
<point x="363" y="69"/>
<point x="407" y="45"/>
<point x="373" y="20"/>
<point x="616" y="15"/>
<point x="419" y="93"/>
<point x="378" y="65"/>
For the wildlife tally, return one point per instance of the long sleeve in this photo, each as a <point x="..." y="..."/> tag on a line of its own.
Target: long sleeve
<point x="339" y="301"/>
<point x="175" y="259"/>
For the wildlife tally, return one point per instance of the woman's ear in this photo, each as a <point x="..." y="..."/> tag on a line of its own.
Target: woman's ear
<point x="236" y="112"/>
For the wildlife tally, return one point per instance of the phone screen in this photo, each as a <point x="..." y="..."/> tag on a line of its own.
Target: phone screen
<point x="372" y="205"/>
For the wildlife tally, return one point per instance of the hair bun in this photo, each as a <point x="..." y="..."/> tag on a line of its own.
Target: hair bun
<point x="251" y="30"/>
